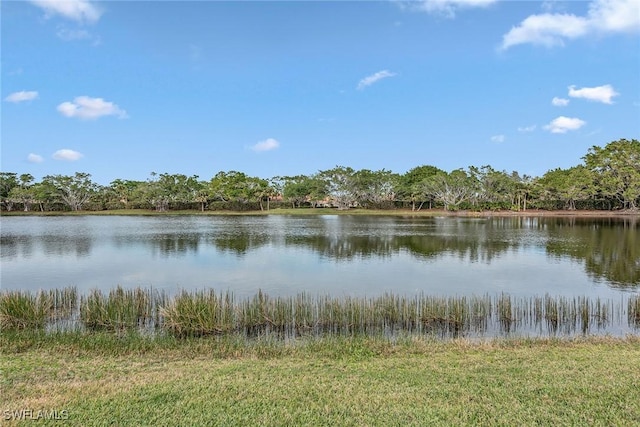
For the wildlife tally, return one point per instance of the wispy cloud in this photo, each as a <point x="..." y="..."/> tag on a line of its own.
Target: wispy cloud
<point x="69" y="35"/>
<point x="67" y="154"/>
<point x="498" y="138"/>
<point x="599" y="93"/>
<point x="559" y="102"/>
<point x="34" y="158"/>
<point x="547" y="29"/>
<point x="266" y="145"/>
<point x="527" y="128"/>
<point x="82" y="11"/>
<point x="22" y="96"/>
<point x="448" y="8"/>
<point x="369" y="80"/>
<point x="84" y="107"/>
<point x="564" y="124"/>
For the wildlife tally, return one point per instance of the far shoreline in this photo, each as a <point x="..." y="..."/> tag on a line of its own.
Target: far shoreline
<point x="334" y="211"/>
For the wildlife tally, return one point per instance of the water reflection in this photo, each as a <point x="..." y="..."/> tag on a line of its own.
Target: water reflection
<point x="607" y="249"/>
<point x="15" y="247"/>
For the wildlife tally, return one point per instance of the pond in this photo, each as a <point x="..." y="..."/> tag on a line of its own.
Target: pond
<point x="337" y="255"/>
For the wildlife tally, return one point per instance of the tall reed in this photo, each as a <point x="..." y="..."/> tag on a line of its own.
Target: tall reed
<point x="633" y="311"/>
<point x="119" y="310"/>
<point x="24" y="310"/>
<point x="207" y="312"/>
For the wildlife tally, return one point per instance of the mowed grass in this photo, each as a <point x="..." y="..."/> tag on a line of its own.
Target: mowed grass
<point x="109" y="380"/>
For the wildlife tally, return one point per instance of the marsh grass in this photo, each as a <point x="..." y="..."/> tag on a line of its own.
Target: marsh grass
<point x="121" y="309"/>
<point x="23" y="310"/>
<point x="26" y="310"/>
<point x="210" y="313"/>
<point x="634" y="311"/>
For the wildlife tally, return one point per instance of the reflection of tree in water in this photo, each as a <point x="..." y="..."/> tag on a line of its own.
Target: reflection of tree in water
<point x="239" y="243"/>
<point x="165" y="244"/>
<point x="346" y="247"/>
<point x="175" y="244"/>
<point x="609" y="248"/>
<point x="67" y="245"/>
<point x="52" y="245"/>
<point x="469" y="240"/>
<point x="464" y="247"/>
<point x="15" y="246"/>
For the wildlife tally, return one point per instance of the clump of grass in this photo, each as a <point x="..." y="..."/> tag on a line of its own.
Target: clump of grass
<point x="199" y="314"/>
<point x="21" y="310"/>
<point x="505" y="313"/>
<point x="63" y="302"/>
<point x="633" y="311"/>
<point x="118" y="311"/>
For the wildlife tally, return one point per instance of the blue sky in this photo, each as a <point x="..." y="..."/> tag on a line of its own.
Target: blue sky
<point x="121" y="89"/>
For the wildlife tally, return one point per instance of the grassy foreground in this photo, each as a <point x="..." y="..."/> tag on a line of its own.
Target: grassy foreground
<point x="103" y="379"/>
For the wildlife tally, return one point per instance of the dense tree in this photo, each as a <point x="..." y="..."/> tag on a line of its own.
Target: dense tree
<point x="373" y="188"/>
<point x="617" y="171"/>
<point x="23" y="193"/>
<point x="177" y="189"/>
<point x="124" y="192"/>
<point x="228" y="186"/>
<point x="8" y="181"/>
<point x="494" y="189"/>
<point x="339" y="182"/>
<point x="567" y="185"/>
<point x="450" y="189"/>
<point x="74" y="191"/>
<point x="239" y="189"/>
<point x="410" y="186"/>
<point x="302" y="189"/>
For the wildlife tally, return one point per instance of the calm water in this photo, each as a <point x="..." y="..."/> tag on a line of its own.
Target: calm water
<point x="337" y="255"/>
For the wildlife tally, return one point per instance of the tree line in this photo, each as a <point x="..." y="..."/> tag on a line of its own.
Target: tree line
<point x="607" y="179"/>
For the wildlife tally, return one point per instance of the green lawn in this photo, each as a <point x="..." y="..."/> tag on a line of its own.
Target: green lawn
<point x="106" y="380"/>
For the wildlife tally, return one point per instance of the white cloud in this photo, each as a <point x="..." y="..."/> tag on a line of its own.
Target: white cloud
<point x="604" y="16"/>
<point x="527" y="128"/>
<point x="498" y="138"/>
<point x="34" y="158"/>
<point x="546" y="29"/>
<point x="559" y="102"/>
<point x="615" y="15"/>
<point x="76" y="10"/>
<point x="22" y="96"/>
<point x="67" y="155"/>
<point x="266" y="145"/>
<point x="84" y="107"/>
<point x="369" y="80"/>
<point x="564" y="124"/>
<point x="600" y="93"/>
<point x="448" y="8"/>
